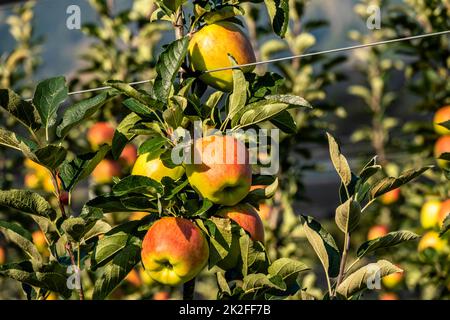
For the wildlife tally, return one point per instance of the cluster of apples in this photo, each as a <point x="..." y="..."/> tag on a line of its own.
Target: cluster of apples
<point x="174" y="249"/>
<point x="442" y="144"/>
<point x="102" y="133"/>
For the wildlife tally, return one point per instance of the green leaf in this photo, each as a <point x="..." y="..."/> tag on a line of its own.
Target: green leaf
<point x="51" y="156"/>
<point x="323" y="244"/>
<point x="287" y="268"/>
<point x="284" y="122"/>
<point x="339" y="161"/>
<point x="445" y="225"/>
<point x="115" y="272"/>
<point x="253" y="255"/>
<point x="72" y="172"/>
<point x="139" y="108"/>
<point x="221" y="237"/>
<point x="48" y="96"/>
<point x="445" y="156"/>
<point x="223" y="13"/>
<point x="238" y="97"/>
<point x="258" y="281"/>
<point x="167" y="67"/>
<point x="445" y="124"/>
<point x="152" y="145"/>
<point x="391" y="183"/>
<point x="100" y="227"/>
<point x="359" y="279"/>
<point x="260" y="111"/>
<point x="122" y="135"/>
<point x="137" y="184"/>
<point x="27" y="202"/>
<point x="279" y="15"/>
<point x="222" y="283"/>
<point x="11" y="140"/>
<point x="123" y="204"/>
<point x="348" y="215"/>
<point x="174" y="115"/>
<point x="389" y="240"/>
<point x="289" y="99"/>
<point x="52" y="279"/>
<point x="22" y="110"/>
<point x="83" y="110"/>
<point x="75" y="228"/>
<point x="140" y="96"/>
<point x="22" y="238"/>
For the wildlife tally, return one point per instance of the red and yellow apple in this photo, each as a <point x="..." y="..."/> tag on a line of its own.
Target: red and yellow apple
<point x="100" y="133"/>
<point x="39" y="241"/>
<point x="38" y="177"/>
<point x="443" y="212"/>
<point x="105" y="171"/>
<point x="220" y="170"/>
<point x="209" y="48"/>
<point x="150" y="165"/>
<point x="128" y="155"/>
<point x="392" y="280"/>
<point x="2" y="255"/>
<point x="432" y="240"/>
<point x="441" y="146"/>
<point x="390" y="197"/>
<point x="441" y="116"/>
<point x="429" y="214"/>
<point x="174" y="251"/>
<point x="388" y="296"/>
<point x="377" y="231"/>
<point x="265" y="211"/>
<point x="161" y="295"/>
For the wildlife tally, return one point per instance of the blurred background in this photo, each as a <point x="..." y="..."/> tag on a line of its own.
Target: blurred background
<point x="376" y="101"/>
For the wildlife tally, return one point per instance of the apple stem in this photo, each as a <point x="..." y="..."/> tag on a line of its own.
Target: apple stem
<point x="188" y="290"/>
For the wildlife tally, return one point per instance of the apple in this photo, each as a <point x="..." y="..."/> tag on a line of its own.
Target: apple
<point x="133" y="278"/>
<point x="32" y="181"/>
<point x="52" y="296"/>
<point x="265" y="211"/>
<point x="128" y="155"/>
<point x="209" y="48"/>
<point x="161" y="295"/>
<point x="390" y="197"/>
<point x="431" y="240"/>
<point x="105" y="171"/>
<point x="220" y="171"/>
<point x="248" y="219"/>
<point x="441" y="146"/>
<point x="39" y="240"/>
<point x="392" y="280"/>
<point x="174" y="251"/>
<point x="146" y="279"/>
<point x="441" y="116"/>
<point x="429" y="214"/>
<point x="100" y="133"/>
<point x="388" y="296"/>
<point x="443" y="212"/>
<point x="152" y="166"/>
<point x="138" y="215"/>
<point x="38" y="177"/>
<point x="2" y="255"/>
<point x="377" y="231"/>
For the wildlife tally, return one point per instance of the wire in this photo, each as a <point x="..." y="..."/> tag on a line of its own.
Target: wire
<point x="373" y="44"/>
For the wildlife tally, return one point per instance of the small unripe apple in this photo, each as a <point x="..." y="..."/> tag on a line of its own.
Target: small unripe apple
<point x="105" y="171"/>
<point x="443" y="212"/>
<point x="128" y="155"/>
<point x="441" y="146"/>
<point x="161" y="295"/>
<point x="209" y="48"/>
<point x="392" y="280"/>
<point x="220" y="170"/>
<point x="2" y="255"/>
<point x="441" y="116"/>
<point x="174" y="251"/>
<point x="39" y="240"/>
<point x="431" y="240"/>
<point x="100" y="133"/>
<point x="388" y="296"/>
<point x="153" y="167"/>
<point x="390" y="197"/>
<point x="429" y="214"/>
<point x="377" y="231"/>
